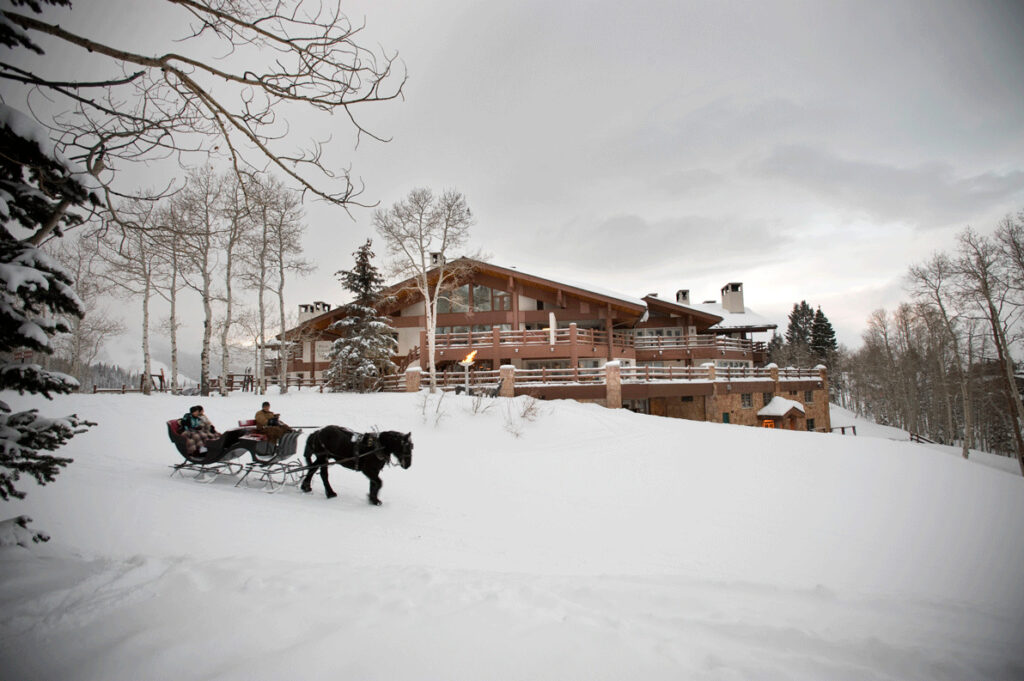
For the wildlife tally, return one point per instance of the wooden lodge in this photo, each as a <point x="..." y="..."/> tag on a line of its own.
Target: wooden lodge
<point x="531" y="325"/>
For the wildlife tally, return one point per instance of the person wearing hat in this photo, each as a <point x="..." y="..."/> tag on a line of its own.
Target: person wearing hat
<point x="270" y="424"/>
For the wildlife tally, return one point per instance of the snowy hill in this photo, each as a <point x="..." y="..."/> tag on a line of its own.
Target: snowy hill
<point x="585" y="544"/>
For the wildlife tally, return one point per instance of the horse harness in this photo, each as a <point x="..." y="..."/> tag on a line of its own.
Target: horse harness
<point x="360" y="440"/>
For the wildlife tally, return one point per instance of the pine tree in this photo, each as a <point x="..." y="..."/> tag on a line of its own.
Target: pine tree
<point x="798" y="333"/>
<point x="363" y="352"/>
<point x="37" y="191"/>
<point x="823" y="337"/>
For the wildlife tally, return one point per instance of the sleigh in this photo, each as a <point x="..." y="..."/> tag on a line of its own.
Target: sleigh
<point x="268" y="464"/>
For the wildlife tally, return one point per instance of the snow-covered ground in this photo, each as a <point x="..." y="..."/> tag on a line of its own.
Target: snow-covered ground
<point x="865" y="428"/>
<point x="585" y="544"/>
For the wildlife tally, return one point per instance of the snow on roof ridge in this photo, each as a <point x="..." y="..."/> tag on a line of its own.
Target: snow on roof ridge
<point x="780" y="406"/>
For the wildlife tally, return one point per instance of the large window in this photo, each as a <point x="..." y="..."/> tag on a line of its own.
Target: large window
<point x="746" y="400"/>
<point x="481" y="299"/>
<point x="502" y="300"/>
<point x="456" y="300"/>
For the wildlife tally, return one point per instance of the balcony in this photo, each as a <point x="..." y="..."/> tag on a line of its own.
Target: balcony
<point x="574" y="343"/>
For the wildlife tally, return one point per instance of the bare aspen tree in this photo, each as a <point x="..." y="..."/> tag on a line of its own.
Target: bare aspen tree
<point x="274" y="56"/>
<point x="982" y="282"/>
<point x="169" y="283"/>
<point x="256" y="272"/>
<point x="195" y="221"/>
<point x="237" y="223"/>
<point x="932" y="284"/>
<point x="420" y="232"/>
<point x="128" y="246"/>
<point x="81" y="345"/>
<point x="284" y="236"/>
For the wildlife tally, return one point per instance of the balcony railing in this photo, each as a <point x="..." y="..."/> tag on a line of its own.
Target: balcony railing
<point x="594" y="337"/>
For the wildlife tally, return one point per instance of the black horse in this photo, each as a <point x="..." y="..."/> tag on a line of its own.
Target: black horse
<point x="366" y="452"/>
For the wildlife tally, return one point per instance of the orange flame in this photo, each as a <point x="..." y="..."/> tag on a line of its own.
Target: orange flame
<point x="470" y="357"/>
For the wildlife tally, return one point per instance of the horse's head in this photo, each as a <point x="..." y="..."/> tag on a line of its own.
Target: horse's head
<point x="400" y="446"/>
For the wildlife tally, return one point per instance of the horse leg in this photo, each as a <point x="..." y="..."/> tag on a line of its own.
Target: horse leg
<point x="375" y="485"/>
<point x="307" y="482"/>
<point x="327" y="483"/>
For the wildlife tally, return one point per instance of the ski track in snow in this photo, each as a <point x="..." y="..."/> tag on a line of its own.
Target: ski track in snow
<point x="596" y="545"/>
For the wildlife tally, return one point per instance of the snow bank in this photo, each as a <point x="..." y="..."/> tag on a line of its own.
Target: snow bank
<point x="584" y="543"/>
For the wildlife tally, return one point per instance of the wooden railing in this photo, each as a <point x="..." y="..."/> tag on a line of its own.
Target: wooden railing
<point x="645" y="374"/>
<point x="471" y="339"/>
<point x="628" y="374"/>
<point x="568" y="375"/>
<point x="594" y="337"/>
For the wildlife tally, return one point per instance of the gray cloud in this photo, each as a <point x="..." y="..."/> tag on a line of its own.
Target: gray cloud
<point x="652" y="248"/>
<point x="928" y="195"/>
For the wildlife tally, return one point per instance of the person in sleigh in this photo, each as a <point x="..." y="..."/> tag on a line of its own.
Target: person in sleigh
<point x="270" y="424"/>
<point x="197" y="429"/>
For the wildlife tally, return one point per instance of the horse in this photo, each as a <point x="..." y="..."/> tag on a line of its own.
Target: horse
<point x="368" y="453"/>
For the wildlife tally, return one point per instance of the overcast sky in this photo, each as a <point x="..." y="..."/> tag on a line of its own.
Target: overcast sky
<point x="811" y="150"/>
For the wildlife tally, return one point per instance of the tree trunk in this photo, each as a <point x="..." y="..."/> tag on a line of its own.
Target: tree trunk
<point x="1016" y="409"/>
<point x="204" y="370"/>
<point x="147" y="364"/>
<point x="174" y="327"/>
<point x="224" y="353"/>
<point x="283" y="353"/>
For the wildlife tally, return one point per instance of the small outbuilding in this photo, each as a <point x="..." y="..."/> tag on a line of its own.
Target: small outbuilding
<point x="782" y="413"/>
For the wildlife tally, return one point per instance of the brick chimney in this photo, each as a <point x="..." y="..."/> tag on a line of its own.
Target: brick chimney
<point x="732" y="297"/>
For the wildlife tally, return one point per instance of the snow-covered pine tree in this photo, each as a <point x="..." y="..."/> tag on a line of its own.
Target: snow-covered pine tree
<point x="823" y="337"/>
<point x="362" y="355"/>
<point x="37" y="191"/>
<point x="798" y="332"/>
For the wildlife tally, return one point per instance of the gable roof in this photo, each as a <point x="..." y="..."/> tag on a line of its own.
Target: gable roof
<point x="779" y="407"/>
<point x="673" y="308"/>
<point x="627" y="304"/>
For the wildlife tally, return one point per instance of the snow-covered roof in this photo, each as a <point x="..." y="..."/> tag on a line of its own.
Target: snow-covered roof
<point x="780" y="406"/>
<point x="748" y="319"/>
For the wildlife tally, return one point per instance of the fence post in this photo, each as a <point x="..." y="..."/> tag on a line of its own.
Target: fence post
<point x="613" y="385"/>
<point x="413" y="376"/>
<point x="507" y="373"/>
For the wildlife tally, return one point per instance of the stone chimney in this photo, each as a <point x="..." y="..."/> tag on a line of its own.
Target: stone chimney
<point x="732" y="297"/>
<point x="683" y="296"/>
<point x="310" y="310"/>
<point x="436" y="258"/>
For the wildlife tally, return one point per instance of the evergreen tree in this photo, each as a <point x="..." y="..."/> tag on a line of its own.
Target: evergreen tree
<point x="37" y="191"/>
<point x="823" y="337"/>
<point x="363" y="352"/>
<point x="798" y="333"/>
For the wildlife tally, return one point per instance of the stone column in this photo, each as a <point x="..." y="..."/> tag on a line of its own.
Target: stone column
<point x="826" y="412"/>
<point x="507" y="373"/>
<point x="613" y="385"/>
<point x="413" y="376"/>
<point x="773" y="372"/>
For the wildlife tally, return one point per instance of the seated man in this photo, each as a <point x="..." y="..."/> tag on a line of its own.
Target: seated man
<point x="197" y="429"/>
<point x="270" y="424"/>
